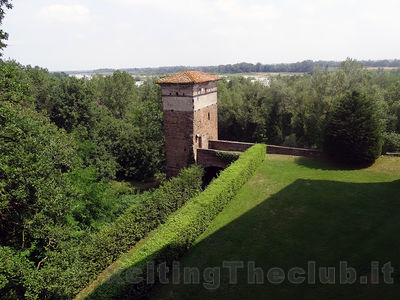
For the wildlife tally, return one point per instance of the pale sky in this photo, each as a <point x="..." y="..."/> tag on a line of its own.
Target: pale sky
<point x="64" y="35"/>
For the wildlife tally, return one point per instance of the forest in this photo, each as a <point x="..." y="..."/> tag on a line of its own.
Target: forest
<point x="306" y="66"/>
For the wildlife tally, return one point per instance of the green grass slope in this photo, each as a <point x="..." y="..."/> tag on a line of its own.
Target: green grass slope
<point x="295" y="211"/>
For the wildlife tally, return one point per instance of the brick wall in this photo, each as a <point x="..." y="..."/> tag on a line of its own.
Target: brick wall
<point x="178" y="132"/>
<point x="207" y="128"/>
<point x="392" y="154"/>
<point x="190" y="121"/>
<point x="229" y="145"/>
<point x="208" y="158"/>
<point x="272" y="149"/>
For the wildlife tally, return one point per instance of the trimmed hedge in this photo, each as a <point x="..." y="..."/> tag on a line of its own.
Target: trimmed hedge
<point x="153" y="209"/>
<point x="172" y="239"/>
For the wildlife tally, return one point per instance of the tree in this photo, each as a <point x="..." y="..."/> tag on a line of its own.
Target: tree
<point x="72" y="104"/>
<point x="34" y="193"/>
<point x="117" y="92"/>
<point x="4" y="4"/>
<point x="354" y="131"/>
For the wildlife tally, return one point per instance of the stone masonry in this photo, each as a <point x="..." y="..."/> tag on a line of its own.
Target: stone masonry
<point x="190" y="116"/>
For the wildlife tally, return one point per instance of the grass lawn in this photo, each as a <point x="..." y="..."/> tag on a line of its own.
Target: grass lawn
<point x="293" y="212"/>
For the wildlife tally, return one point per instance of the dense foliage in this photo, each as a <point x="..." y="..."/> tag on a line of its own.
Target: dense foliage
<point x="63" y="143"/>
<point x="65" y="271"/>
<point x="294" y="110"/>
<point x="172" y="239"/>
<point x="353" y="132"/>
<point x="391" y="142"/>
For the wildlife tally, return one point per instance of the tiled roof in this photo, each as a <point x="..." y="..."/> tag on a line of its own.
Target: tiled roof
<point x="189" y="77"/>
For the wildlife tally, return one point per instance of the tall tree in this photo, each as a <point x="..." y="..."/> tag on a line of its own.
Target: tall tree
<point x="354" y="132"/>
<point x="4" y="4"/>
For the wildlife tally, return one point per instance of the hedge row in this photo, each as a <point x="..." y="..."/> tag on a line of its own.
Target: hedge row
<point x="153" y="209"/>
<point x="172" y="239"/>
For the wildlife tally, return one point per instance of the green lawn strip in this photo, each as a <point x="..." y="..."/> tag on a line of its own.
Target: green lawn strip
<point x="172" y="239"/>
<point x="295" y="210"/>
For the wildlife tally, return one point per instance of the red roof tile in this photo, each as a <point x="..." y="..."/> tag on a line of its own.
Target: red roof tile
<point x="189" y="77"/>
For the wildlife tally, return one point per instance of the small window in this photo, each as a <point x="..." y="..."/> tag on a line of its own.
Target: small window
<point x="209" y="116"/>
<point x="177" y="93"/>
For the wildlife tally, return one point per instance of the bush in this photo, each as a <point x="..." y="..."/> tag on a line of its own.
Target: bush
<point x="391" y="142"/>
<point x="14" y="267"/>
<point x="227" y="157"/>
<point x="290" y="141"/>
<point x="173" y="238"/>
<point x="353" y="133"/>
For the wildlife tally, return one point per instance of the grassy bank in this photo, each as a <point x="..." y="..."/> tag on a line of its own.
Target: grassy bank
<point x="294" y="211"/>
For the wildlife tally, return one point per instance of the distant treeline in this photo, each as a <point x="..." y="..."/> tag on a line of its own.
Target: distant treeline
<point x="306" y="66"/>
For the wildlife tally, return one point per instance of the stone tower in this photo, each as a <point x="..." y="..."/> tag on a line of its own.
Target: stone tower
<point x="190" y="116"/>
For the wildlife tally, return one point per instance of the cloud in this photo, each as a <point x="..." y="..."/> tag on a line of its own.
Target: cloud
<point x="55" y="13"/>
<point x="239" y="9"/>
<point x="233" y="8"/>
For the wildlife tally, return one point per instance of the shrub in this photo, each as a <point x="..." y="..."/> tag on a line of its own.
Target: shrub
<point x="290" y="141"/>
<point x="14" y="267"/>
<point x="227" y="157"/>
<point x="353" y="133"/>
<point x="173" y="238"/>
<point x="391" y="142"/>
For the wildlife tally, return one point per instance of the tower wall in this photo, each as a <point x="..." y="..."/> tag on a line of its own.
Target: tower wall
<point x="190" y="120"/>
<point x="178" y="132"/>
<point x="207" y="128"/>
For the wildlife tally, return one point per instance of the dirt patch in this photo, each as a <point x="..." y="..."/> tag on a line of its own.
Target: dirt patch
<point x="386" y="164"/>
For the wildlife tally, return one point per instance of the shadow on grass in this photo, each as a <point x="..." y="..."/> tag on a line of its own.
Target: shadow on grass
<point x="310" y="220"/>
<point x="326" y="164"/>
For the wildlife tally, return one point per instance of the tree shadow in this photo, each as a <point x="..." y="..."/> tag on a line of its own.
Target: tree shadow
<point x="308" y="221"/>
<point x="210" y="173"/>
<point x="326" y="164"/>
